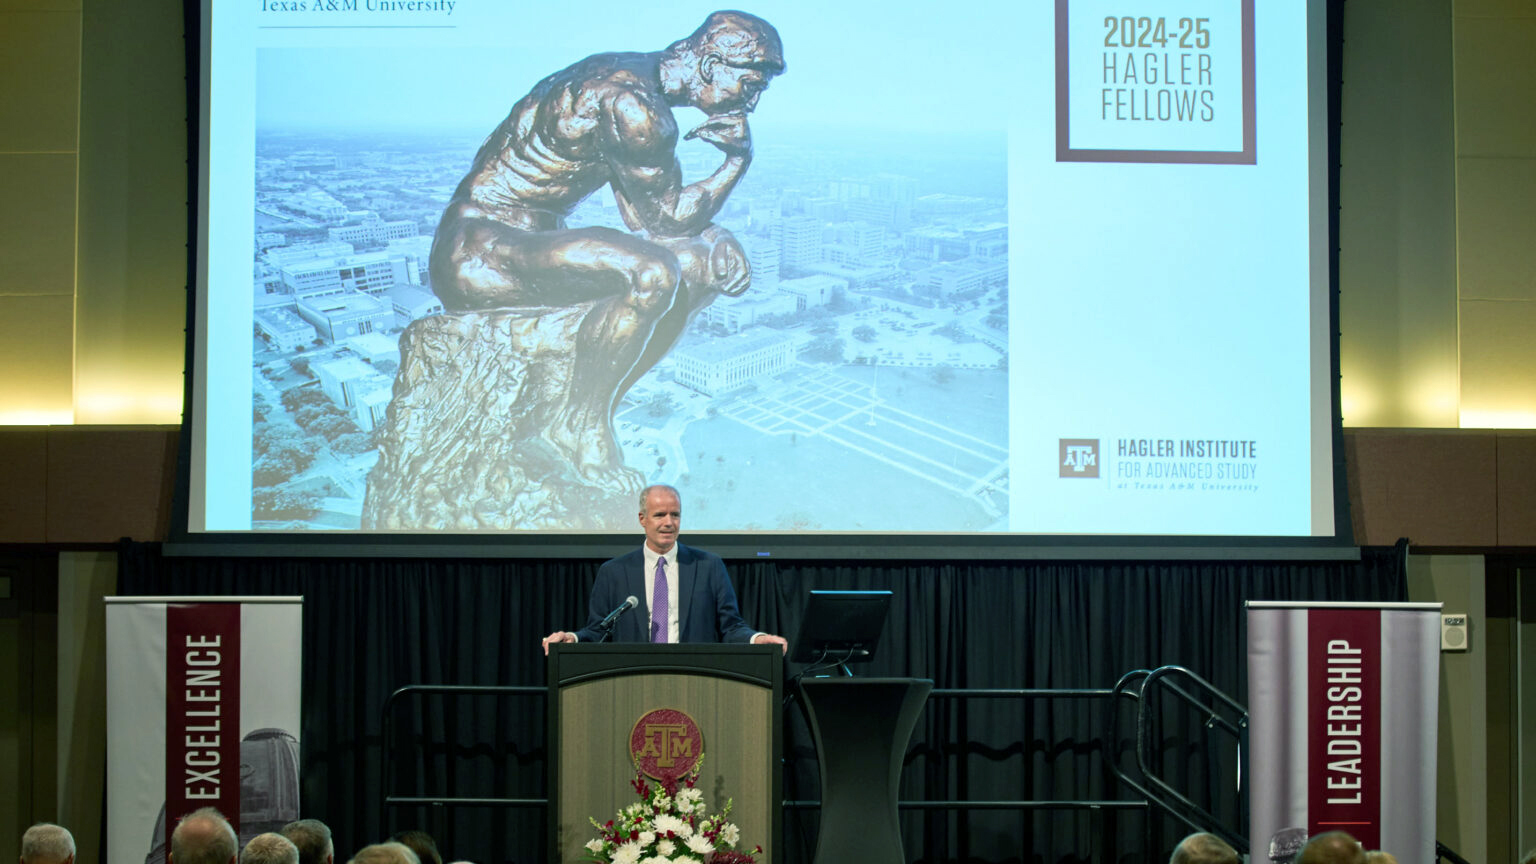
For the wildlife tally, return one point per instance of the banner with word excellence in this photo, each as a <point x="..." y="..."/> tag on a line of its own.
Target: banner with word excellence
<point x="202" y="711"/>
<point x="1342" y="707"/>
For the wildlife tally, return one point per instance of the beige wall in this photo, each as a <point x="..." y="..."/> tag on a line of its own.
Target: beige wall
<point x="1461" y="820"/>
<point x="1397" y="219"/>
<point x="84" y="579"/>
<point x="39" y="112"/>
<point x="1495" y="79"/>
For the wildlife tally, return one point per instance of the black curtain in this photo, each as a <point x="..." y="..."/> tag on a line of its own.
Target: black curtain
<point x="373" y="625"/>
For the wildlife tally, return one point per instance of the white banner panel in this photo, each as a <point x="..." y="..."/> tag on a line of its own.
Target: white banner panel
<point x="203" y="709"/>
<point x="1342" y="707"/>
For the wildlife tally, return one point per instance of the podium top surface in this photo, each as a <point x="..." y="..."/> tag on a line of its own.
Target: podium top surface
<point x="571" y="663"/>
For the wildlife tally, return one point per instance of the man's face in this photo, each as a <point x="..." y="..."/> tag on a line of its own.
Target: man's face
<point x="662" y="518"/>
<point x="731" y="88"/>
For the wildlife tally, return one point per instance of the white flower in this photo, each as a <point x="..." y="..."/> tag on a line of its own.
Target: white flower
<point x="647" y="838"/>
<point x="688" y="799"/>
<point x="594" y="846"/>
<point x="700" y="844"/>
<point x="666" y="822"/>
<point x="655" y="859"/>
<point x="627" y="853"/>
<point x="729" y="835"/>
<point x="665" y="848"/>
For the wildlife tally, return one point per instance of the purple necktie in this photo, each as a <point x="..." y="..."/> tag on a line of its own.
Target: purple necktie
<point x="659" y="603"/>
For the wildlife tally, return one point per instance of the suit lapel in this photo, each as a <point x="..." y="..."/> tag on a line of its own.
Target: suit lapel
<point x="685" y="584"/>
<point x="634" y="578"/>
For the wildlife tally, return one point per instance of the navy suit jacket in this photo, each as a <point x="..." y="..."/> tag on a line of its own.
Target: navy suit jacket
<point x="707" y="610"/>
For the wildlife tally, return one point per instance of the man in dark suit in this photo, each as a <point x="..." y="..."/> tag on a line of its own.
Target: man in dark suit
<point x="684" y="593"/>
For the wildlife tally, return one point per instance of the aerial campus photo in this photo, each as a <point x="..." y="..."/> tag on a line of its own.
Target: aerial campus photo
<point x="864" y="370"/>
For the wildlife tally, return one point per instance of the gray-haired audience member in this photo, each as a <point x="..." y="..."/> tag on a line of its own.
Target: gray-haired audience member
<point x="313" y="838"/>
<point x="203" y="836"/>
<point x="385" y="853"/>
<point x="1332" y="847"/>
<point x="47" y="843"/>
<point x="269" y="848"/>
<point x="1203" y="848"/>
<point x="421" y="843"/>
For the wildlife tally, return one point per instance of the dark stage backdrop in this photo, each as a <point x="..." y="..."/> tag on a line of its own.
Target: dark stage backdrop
<point x="373" y="625"/>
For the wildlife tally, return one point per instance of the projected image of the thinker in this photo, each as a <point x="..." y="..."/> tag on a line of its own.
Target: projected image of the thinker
<point x="559" y="321"/>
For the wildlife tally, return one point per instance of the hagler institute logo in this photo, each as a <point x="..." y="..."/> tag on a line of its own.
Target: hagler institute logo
<point x="1079" y="457"/>
<point x="666" y="744"/>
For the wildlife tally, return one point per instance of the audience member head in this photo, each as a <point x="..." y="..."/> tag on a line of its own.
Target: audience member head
<point x="421" y="843"/>
<point x="203" y="837"/>
<point x="1332" y="847"/>
<point x="47" y="843"/>
<point x="313" y="838"/>
<point x="269" y="848"/>
<point x="385" y="853"/>
<point x="1376" y="856"/>
<point x="1530" y="857"/>
<point x="1203" y="848"/>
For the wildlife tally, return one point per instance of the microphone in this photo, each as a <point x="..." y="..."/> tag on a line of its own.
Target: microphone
<point x="629" y="603"/>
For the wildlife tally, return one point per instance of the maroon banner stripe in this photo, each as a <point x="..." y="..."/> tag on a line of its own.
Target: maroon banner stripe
<point x="1344" y="723"/>
<point x="202" y="711"/>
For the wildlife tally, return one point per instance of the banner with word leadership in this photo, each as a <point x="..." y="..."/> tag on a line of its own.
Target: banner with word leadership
<point x="1342" y="706"/>
<point x="202" y="711"/>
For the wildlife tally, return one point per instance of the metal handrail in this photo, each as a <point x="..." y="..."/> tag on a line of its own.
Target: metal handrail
<point x="388" y="738"/>
<point x="1162" y="793"/>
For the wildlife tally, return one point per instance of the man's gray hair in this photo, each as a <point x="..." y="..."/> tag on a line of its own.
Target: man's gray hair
<point x="1331" y="847"/>
<point x="645" y="494"/>
<point x="313" y="838"/>
<point x="269" y="848"/>
<point x="385" y="853"/>
<point x="1203" y="848"/>
<point x="203" y="836"/>
<point x="47" y="843"/>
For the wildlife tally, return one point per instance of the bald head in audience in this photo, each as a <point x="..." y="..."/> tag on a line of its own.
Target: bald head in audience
<point x="313" y="838"/>
<point x="47" y="843"/>
<point x="203" y="837"/>
<point x="1332" y="847"/>
<point x="1203" y="848"/>
<point x="385" y="853"/>
<point x="1377" y="856"/>
<point x="269" y="848"/>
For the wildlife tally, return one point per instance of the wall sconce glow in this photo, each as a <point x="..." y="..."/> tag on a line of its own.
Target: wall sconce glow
<point x="142" y="407"/>
<point x="28" y="417"/>
<point x="1355" y="406"/>
<point x="1498" y="419"/>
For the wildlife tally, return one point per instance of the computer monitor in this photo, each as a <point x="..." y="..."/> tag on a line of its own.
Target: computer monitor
<point x="841" y="626"/>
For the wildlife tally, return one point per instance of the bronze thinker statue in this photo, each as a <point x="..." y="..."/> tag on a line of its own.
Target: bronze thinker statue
<point x="502" y="415"/>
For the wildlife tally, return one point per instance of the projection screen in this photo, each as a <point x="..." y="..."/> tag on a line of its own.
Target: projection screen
<point x="968" y="275"/>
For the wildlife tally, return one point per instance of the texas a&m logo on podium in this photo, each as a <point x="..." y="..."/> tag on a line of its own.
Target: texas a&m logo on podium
<point x="666" y="744"/>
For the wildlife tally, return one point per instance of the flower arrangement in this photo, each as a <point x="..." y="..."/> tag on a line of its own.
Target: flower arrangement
<point x="668" y="824"/>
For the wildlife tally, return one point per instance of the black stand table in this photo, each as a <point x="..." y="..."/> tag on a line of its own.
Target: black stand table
<point x="861" y="727"/>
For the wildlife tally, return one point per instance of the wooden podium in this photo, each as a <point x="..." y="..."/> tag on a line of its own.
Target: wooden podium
<point x="599" y="691"/>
